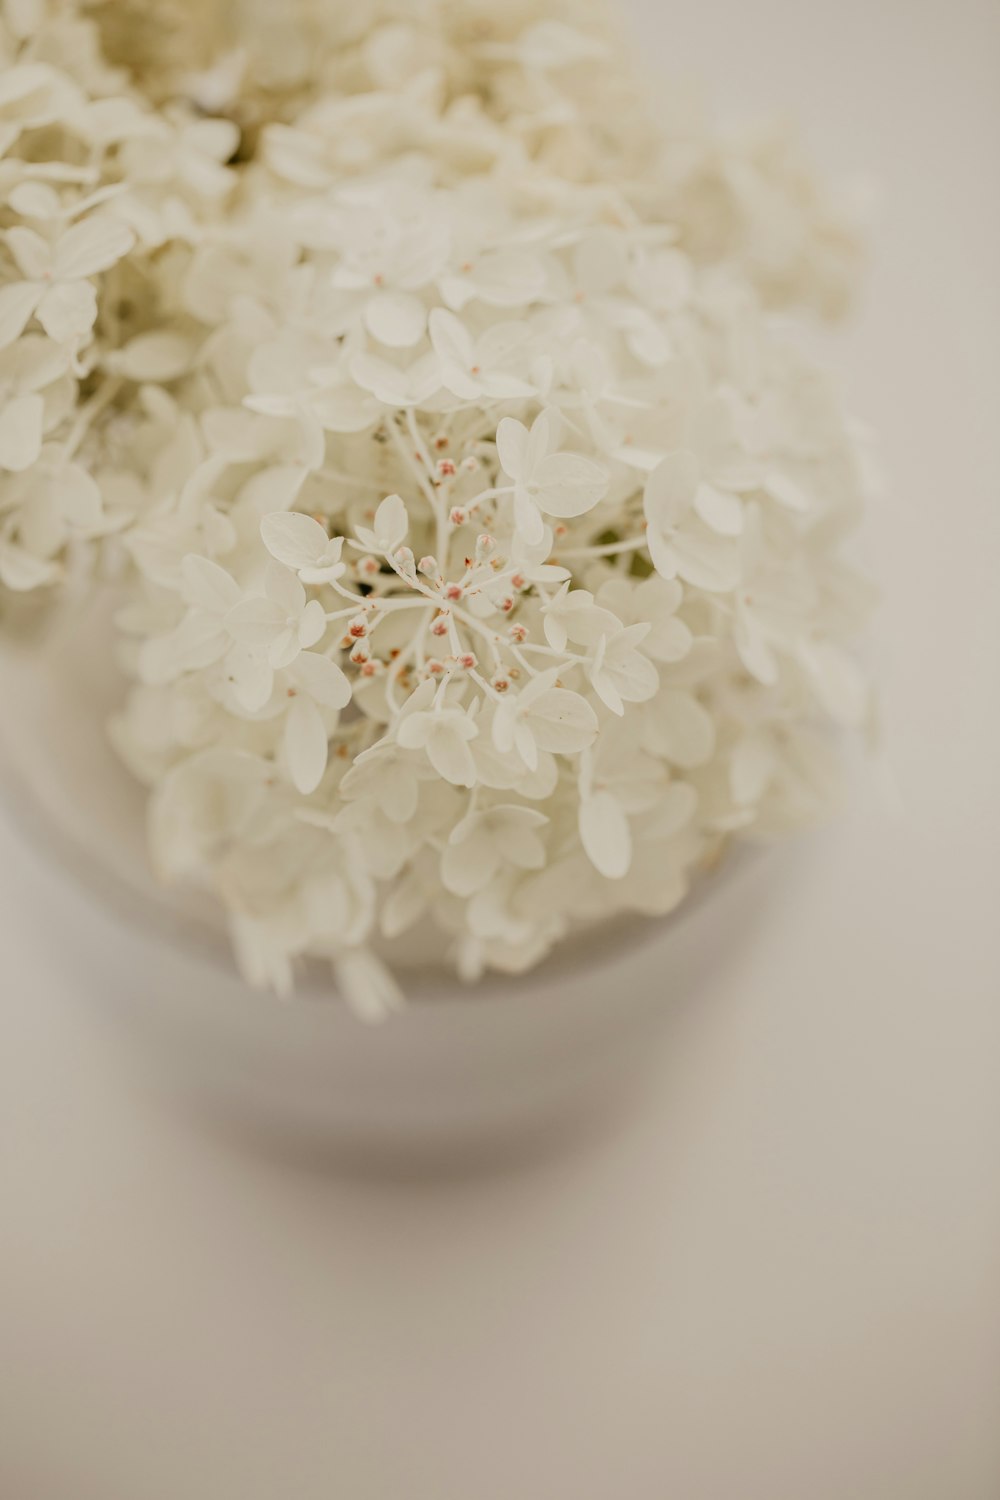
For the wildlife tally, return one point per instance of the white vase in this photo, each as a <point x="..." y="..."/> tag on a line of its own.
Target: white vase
<point x="462" y="1070"/>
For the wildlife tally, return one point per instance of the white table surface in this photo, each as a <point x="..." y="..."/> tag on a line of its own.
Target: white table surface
<point x="777" y="1276"/>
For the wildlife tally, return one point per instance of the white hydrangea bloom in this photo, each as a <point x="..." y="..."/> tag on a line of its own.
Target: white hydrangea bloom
<point x="476" y="528"/>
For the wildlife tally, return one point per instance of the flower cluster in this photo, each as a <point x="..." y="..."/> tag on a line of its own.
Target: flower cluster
<point x="474" y="525"/>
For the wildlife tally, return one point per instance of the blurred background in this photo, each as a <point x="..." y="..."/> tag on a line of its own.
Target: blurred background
<point x="776" y="1276"/>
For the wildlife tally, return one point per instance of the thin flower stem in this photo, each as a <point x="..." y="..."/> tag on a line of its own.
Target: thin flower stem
<point x="611" y="549"/>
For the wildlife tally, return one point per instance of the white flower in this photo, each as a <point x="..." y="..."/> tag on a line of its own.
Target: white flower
<point x="444" y="734"/>
<point x="56" y="288"/>
<point x="572" y="615"/>
<point x="544" y="717"/>
<point x="300" y="542"/>
<point x="281" y="622"/>
<point x="679" y="543"/>
<point x="473" y="526"/>
<point x="389" y="528"/>
<point x="619" y="673"/>
<point x="560" y="484"/>
<point x="473" y="369"/>
<point x="653" y="601"/>
<point x="484" y="840"/>
<point x="390" y="261"/>
<point x="395" y="385"/>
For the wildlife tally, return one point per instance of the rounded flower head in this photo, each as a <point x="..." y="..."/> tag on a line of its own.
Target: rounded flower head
<point x="473" y="529"/>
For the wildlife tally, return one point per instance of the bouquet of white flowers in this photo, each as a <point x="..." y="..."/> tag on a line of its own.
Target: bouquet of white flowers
<point x="473" y="522"/>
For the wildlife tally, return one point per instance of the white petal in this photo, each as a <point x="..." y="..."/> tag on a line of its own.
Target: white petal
<point x="669" y="640"/>
<point x="415" y="729"/>
<point x="321" y="678"/>
<point x="467" y="867"/>
<point x="662" y="554"/>
<point x="294" y="539"/>
<point x="719" y="509"/>
<point x="21" y="570"/>
<point x="157" y="357"/>
<point x="32" y="253"/>
<point x="68" y="311"/>
<point x="284" y="589"/>
<point x="312" y="625"/>
<point x="512" y="447"/>
<point x="681" y="729"/>
<point x="91" y="246"/>
<point x="78" y="497"/>
<point x="449" y="754"/>
<point x="562" y="722"/>
<point x="708" y="561"/>
<point x="21" y="432"/>
<point x="569" y="484"/>
<point x="787" y="493"/>
<point x="251" y="676"/>
<point x="527" y="517"/>
<point x="391" y="522"/>
<point x="451" y="339"/>
<point x="367" y="985"/>
<point x="606" y="835"/>
<point x="256" y="621"/>
<point x="670" y="489"/>
<point x="397" y="319"/>
<point x="208" y="586"/>
<point x="305" y="744"/>
<point x="17" y="303"/>
<point x="754" y="649"/>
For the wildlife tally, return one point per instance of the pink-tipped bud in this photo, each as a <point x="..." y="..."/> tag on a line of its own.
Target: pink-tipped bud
<point x="468" y="660"/>
<point x="446" y="467"/>
<point x="518" y="634"/>
<point x="453" y="591"/>
<point x="360" y="654"/>
<point x="428" y="566"/>
<point x="507" y="605"/>
<point x="458" y="515"/>
<point x="439" y="626"/>
<point x="485" y="546"/>
<point x="357" y="628"/>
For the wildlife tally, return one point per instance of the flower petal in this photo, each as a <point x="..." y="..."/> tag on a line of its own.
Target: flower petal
<point x="21" y="432"/>
<point x="305" y="742"/>
<point x="606" y="835"/>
